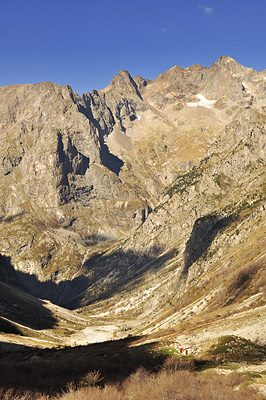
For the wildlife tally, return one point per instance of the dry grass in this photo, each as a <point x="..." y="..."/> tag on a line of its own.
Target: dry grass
<point x="174" y="381"/>
<point x="170" y="385"/>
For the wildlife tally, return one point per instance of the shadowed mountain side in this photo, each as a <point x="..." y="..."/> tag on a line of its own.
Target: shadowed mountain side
<point x="7" y="272"/>
<point x="203" y="233"/>
<point x="101" y="276"/>
<point x="50" y="290"/>
<point x="19" y="307"/>
<point x="7" y="327"/>
<point x="109" y="160"/>
<point x="24" y="309"/>
<point x="14" y="348"/>
<point x="50" y="371"/>
<point x="110" y="273"/>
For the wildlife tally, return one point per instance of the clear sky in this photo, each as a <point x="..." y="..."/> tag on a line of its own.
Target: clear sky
<point x="84" y="43"/>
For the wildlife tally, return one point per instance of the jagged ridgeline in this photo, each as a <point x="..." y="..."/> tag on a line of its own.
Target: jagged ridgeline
<point x="145" y="184"/>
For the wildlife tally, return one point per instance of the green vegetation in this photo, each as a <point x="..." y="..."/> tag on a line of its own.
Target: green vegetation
<point x="234" y="348"/>
<point x="184" y="181"/>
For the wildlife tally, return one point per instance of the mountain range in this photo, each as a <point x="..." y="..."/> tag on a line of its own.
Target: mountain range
<point x="141" y="205"/>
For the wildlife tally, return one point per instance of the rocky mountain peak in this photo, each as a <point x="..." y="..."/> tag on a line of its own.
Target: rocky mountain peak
<point x="237" y="70"/>
<point x="141" y="82"/>
<point x="226" y="60"/>
<point x="123" y="84"/>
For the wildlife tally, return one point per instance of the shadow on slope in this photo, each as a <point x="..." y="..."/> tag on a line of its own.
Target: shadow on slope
<point x="204" y="231"/>
<point x="6" y="351"/>
<point x="20" y="307"/>
<point x="7" y="272"/>
<point x="52" y="370"/>
<point x="57" y="293"/>
<point x="111" y="273"/>
<point x="101" y="276"/>
<point x="109" y="160"/>
<point x="7" y="327"/>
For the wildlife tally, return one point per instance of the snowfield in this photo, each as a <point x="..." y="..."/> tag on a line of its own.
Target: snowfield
<point x="203" y="102"/>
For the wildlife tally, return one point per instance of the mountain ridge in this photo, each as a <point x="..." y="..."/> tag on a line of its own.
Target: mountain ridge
<point x="133" y="195"/>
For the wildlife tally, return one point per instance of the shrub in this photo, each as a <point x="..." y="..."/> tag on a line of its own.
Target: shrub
<point x="92" y="378"/>
<point x="173" y="364"/>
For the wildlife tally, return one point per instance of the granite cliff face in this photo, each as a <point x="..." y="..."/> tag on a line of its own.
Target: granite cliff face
<point x="135" y="183"/>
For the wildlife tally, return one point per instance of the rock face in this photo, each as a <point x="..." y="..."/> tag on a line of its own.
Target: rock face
<point x="59" y="182"/>
<point x="99" y="189"/>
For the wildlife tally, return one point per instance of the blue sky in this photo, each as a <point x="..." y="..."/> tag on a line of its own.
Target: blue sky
<point x="84" y="43"/>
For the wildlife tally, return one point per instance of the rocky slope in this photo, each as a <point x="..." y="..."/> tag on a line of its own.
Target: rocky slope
<point x="149" y="193"/>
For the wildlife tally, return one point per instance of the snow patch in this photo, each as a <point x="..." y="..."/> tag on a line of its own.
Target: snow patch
<point x="246" y="88"/>
<point x="202" y="103"/>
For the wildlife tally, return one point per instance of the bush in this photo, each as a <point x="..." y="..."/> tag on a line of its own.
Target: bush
<point x="173" y="364"/>
<point x="165" y="385"/>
